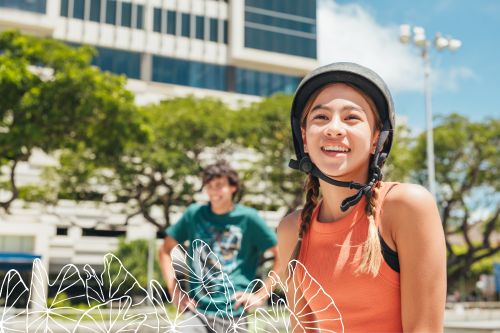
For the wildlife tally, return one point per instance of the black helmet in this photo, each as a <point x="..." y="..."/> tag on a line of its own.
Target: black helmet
<point x="372" y="85"/>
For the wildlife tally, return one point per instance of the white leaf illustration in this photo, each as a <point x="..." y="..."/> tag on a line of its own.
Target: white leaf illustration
<point x="243" y="322"/>
<point x="48" y="315"/>
<point x="114" y="282"/>
<point x="299" y="282"/>
<point x="12" y="292"/>
<point x="274" y="321"/>
<point x="169" y="322"/>
<point x="206" y="284"/>
<point x="110" y="317"/>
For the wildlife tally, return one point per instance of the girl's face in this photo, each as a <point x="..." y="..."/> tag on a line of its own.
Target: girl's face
<point x="340" y="131"/>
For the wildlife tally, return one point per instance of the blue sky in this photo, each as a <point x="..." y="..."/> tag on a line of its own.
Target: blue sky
<point x="467" y="81"/>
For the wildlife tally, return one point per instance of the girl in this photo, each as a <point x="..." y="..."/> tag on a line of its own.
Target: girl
<point x="376" y="248"/>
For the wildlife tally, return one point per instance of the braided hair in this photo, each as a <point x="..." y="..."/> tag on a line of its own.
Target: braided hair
<point x="311" y="187"/>
<point x="372" y="250"/>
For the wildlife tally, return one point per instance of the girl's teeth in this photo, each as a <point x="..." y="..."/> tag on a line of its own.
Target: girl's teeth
<point x="336" y="149"/>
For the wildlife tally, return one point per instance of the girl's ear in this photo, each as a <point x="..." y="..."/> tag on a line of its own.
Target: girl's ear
<point x="304" y="141"/>
<point x="375" y="141"/>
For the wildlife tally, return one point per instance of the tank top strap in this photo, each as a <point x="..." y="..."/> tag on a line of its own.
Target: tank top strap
<point x="382" y="194"/>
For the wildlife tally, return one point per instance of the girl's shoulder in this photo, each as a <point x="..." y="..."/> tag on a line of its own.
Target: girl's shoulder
<point x="408" y="207"/>
<point x="290" y="223"/>
<point x="405" y="195"/>
<point x="288" y="232"/>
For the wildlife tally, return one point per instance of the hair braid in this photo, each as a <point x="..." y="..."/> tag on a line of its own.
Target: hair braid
<point x="372" y="250"/>
<point x="311" y="187"/>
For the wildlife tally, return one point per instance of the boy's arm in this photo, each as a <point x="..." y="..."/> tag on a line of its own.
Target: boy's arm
<point x="254" y="300"/>
<point x="167" y="270"/>
<point x="179" y="299"/>
<point x="268" y="281"/>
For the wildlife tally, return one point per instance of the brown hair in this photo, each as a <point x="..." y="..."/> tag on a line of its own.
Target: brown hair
<point x="372" y="252"/>
<point x="221" y="169"/>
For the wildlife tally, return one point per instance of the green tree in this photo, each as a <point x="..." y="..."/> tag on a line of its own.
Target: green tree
<point x="133" y="255"/>
<point x="55" y="101"/>
<point x="184" y="134"/>
<point x="400" y="161"/>
<point x="264" y="127"/>
<point x="165" y="174"/>
<point x="466" y="157"/>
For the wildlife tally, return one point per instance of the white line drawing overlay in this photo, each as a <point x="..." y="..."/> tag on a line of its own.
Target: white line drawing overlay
<point x="12" y="290"/>
<point x="114" y="302"/>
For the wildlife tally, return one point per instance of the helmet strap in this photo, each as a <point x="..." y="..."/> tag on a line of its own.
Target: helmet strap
<point x="307" y="166"/>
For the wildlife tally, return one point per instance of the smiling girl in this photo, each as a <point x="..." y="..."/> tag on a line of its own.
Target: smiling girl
<point x="377" y="248"/>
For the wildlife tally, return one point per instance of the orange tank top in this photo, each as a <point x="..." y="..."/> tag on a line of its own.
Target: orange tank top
<point x="329" y="252"/>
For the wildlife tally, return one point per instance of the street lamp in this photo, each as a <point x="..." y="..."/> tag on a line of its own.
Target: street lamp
<point x="440" y="43"/>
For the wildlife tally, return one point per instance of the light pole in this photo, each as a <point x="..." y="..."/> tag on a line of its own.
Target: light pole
<point x="440" y="43"/>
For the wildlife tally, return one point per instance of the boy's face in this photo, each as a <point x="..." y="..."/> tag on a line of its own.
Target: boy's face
<point x="220" y="192"/>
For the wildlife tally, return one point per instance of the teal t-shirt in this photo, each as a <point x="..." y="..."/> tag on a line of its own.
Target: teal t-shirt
<point x="235" y="239"/>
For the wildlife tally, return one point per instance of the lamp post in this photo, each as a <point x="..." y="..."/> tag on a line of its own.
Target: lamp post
<point x="440" y="43"/>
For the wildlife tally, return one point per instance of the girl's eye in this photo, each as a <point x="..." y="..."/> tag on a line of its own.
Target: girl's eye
<point x="353" y="116"/>
<point x="320" y="116"/>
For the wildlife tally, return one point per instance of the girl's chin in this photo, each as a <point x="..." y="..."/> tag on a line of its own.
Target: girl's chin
<point x="333" y="170"/>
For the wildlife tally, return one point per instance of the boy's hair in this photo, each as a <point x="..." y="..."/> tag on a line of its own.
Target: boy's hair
<point x="221" y="169"/>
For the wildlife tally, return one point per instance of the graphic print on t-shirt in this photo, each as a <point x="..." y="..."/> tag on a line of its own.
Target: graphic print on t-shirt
<point x="225" y="243"/>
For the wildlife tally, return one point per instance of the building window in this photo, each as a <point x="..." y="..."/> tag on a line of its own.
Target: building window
<point x="189" y="73"/>
<point x="95" y="10"/>
<point x="304" y="8"/>
<point x="287" y="27"/>
<point x="225" y="32"/>
<point x="186" y="25"/>
<point x="62" y="231"/>
<point x="157" y="20"/>
<point x="165" y="21"/>
<point x="36" y="6"/>
<point x="171" y="22"/>
<point x="118" y="62"/>
<point x="126" y="19"/>
<point x="129" y="13"/>
<point x="110" y="11"/>
<point x="259" y="83"/>
<point x="214" y="30"/>
<point x="64" y="8"/>
<point x="17" y="243"/>
<point x="217" y="77"/>
<point x="280" y="42"/>
<point x="139" y="17"/>
<point x="279" y="22"/>
<point x="78" y="9"/>
<point x="92" y="232"/>
<point x="200" y="27"/>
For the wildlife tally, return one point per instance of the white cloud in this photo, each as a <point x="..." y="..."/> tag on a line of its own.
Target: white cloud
<point x="349" y="33"/>
<point x="449" y="79"/>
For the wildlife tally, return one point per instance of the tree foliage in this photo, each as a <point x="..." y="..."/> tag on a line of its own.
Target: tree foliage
<point x="466" y="157"/>
<point x="264" y="127"/>
<point x="153" y="177"/>
<point x="54" y="100"/>
<point x="133" y="255"/>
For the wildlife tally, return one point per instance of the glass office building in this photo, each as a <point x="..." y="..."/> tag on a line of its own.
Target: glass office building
<point x="234" y="47"/>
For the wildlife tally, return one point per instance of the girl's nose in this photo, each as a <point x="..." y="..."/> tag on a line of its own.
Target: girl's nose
<point x="335" y="128"/>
